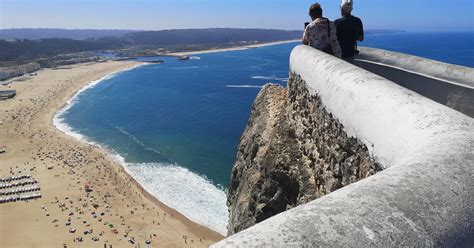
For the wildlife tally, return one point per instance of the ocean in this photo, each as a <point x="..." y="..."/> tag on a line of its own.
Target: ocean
<point x="175" y="126"/>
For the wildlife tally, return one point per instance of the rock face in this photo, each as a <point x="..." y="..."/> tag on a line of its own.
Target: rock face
<point x="60" y="60"/>
<point x="10" y="72"/>
<point x="292" y="152"/>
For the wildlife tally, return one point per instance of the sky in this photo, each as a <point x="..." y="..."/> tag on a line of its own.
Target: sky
<point x="410" y="15"/>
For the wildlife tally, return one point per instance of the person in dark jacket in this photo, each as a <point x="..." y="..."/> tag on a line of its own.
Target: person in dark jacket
<point x="349" y="30"/>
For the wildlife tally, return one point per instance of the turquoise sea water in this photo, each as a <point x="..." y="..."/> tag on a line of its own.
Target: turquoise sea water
<point x="176" y="126"/>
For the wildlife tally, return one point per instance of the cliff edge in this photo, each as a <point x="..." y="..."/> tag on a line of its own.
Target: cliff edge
<point x="422" y="198"/>
<point x="292" y="152"/>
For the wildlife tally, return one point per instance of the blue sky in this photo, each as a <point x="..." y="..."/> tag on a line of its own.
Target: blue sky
<point x="411" y="15"/>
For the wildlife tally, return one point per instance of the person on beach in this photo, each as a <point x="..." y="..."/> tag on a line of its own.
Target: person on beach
<point x="349" y="30"/>
<point x="321" y="32"/>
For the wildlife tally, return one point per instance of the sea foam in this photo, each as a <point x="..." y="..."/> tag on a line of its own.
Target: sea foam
<point x="189" y="67"/>
<point x="243" y="86"/>
<point x="58" y="119"/>
<point x="189" y="193"/>
<point x="271" y="78"/>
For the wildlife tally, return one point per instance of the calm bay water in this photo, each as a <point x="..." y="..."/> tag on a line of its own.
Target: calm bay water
<point x="176" y="126"/>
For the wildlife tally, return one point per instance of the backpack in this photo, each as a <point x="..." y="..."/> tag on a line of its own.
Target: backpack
<point x="328" y="48"/>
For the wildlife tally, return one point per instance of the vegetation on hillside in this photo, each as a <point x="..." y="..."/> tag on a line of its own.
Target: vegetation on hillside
<point x="26" y="49"/>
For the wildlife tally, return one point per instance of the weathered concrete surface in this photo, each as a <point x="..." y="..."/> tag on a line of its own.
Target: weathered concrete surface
<point x="450" y="85"/>
<point x="292" y="152"/>
<point x="424" y="197"/>
<point x="448" y="72"/>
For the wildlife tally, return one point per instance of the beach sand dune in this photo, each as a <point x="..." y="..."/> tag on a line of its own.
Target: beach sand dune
<point x="88" y="200"/>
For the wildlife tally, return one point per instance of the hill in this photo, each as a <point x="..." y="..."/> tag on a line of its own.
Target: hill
<point x="210" y="36"/>
<point x="45" y="33"/>
<point x="31" y="43"/>
<point x="173" y="40"/>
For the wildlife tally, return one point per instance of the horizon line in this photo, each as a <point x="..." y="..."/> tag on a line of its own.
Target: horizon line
<point x="147" y="30"/>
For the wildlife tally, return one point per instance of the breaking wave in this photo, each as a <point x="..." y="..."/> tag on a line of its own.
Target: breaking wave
<point x="189" y="67"/>
<point x="191" y="194"/>
<point x="243" y="86"/>
<point x="58" y="119"/>
<point x="271" y="78"/>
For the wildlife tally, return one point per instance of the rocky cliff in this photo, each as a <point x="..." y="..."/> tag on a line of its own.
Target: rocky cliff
<point x="292" y="151"/>
<point x="7" y="72"/>
<point x="15" y="71"/>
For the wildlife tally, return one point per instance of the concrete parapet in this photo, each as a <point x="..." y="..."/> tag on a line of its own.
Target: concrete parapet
<point x="425" y="195"/>
<point x="450" y="85"/>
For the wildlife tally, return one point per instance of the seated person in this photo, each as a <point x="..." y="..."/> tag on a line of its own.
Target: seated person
<point x="349" y="30"/>
<point x="321" y="33"/>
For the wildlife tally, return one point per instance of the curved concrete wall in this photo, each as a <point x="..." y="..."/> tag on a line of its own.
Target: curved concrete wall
<point x="424" y="197"/>
<point x="451" y="85"/>
<point x="451" y="73"/>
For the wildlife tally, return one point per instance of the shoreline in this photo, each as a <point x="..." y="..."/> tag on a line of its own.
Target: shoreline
<point x="236" y="48"/>
<point x="20" y="133"/>
<point x="61" y="125"/>
<point x="111" y="155"/>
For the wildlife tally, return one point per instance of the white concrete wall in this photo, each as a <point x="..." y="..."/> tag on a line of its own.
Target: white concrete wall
<point x="450" y="85"/>
<point x="424" y="197"/>
<point x="452" y="73"/>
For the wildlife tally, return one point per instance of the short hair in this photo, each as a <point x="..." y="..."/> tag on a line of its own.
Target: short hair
<point x="315" y="10"/>
<point x="346" y="6"/>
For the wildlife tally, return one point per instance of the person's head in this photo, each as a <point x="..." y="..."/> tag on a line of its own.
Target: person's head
<point x="315" y="11"/>
<point x="346" y="7"/>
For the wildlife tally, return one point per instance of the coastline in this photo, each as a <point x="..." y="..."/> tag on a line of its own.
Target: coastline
<point x="32" y="141"/>
<point x="236" y="48"/>
<point x="184" y="206"/>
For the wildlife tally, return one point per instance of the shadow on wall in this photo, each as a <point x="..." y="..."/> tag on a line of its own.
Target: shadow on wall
<point x="454" y="96"/>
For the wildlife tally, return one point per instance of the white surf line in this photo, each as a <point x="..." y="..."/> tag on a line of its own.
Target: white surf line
<point x="270" y="78"/>
<point x="183" y="190"/>
<point x="243" y="86"/>
<point x="61" y="125"/>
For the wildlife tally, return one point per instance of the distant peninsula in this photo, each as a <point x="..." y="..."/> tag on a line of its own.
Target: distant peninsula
<point x="26" y="50"/>
<point x="130" y="43"/>
<point x="26" y="44"/>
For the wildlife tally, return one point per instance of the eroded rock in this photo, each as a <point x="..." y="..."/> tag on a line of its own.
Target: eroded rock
<point x="292" y="152"/>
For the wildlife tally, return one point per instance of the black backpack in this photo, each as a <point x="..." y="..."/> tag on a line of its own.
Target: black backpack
<point x="328" y="49"/>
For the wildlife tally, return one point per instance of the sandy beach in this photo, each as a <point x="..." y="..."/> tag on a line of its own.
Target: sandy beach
<point x="236" y="48"/>
<point x="88" y="200"/>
